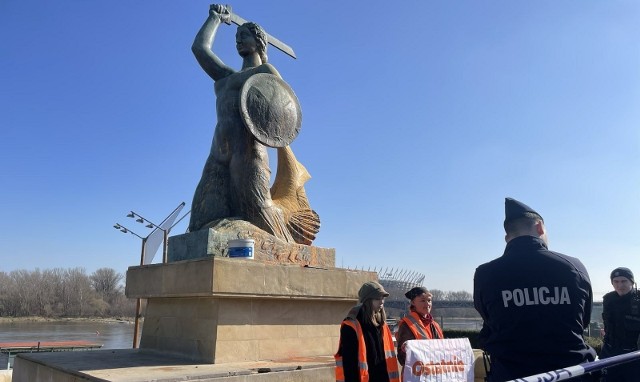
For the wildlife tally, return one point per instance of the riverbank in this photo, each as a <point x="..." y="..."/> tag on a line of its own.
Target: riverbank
<point x="127" y="320"/>
<point x="112" y="332"/>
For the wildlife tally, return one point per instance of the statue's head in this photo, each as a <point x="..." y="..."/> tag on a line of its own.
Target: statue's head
<point x="261" y="38"/>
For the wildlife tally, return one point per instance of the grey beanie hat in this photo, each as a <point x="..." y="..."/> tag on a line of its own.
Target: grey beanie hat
<point x="622" y="272"/>
<point x="371" y="289"/>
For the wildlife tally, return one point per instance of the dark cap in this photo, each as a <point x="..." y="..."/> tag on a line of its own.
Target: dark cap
<point x="514" y="209"/>
<point x="623" y="272"/>
<point x="415" y="292"/>
<point x="371" y="290"/>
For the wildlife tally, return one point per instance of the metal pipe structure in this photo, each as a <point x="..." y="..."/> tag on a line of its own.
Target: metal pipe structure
<point x="150" y="224"/>
<point x="165" y="231"/>
<point x="136" y="325"/>
<point x="578" y="370"/>
<point x="124" y="229"/>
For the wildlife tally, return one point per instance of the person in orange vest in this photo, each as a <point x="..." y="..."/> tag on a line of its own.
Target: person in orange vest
<point x="418" y="324"/>
<point x="366" y="352"/>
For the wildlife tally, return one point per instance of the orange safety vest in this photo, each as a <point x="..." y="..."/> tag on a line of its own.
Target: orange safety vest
<point x="420" y="332"/>
<point x="389" y="354"/>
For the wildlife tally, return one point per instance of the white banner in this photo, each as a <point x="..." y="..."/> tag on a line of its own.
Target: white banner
<point x="156" y="237"/>
<point x="448" y="360"/>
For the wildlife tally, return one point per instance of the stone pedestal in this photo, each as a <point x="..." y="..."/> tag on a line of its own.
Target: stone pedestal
<point x="220" y="319"/>
<point x="268" y="248"/>
<point x="211" y="318"/>
<point x="220" y="310"/>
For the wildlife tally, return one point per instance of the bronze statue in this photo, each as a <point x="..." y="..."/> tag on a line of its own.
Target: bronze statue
<point x="254" y="107"/>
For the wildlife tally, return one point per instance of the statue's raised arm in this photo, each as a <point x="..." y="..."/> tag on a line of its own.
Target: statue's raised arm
<point x="203" y="42"/>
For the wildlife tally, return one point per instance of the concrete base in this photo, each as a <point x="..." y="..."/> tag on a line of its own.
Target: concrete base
<point x="136" y="366"/>
<point x="220" y="318"/>
<point x="222" y="310"/>
<point x="268" y="248"/>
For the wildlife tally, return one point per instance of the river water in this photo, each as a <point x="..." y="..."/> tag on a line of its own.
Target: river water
<point x="112" y="335"/>
<point x="119" y="334"/>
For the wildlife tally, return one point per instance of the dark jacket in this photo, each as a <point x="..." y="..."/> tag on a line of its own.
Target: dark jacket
<point x="621" y="316"/>
<point x="621" y="322"/>
<point x="535" y="304"/>
<point x="376" y="361"/>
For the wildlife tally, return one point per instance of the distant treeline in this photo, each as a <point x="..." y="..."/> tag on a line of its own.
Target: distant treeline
<point x="453" y="296"/>
<point x="461" y="295"/>
<point x="72" y="292"/>
<point x="64" y="293"/>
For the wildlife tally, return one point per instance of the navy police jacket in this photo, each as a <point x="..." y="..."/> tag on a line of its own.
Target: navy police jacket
<point x="535" y="304"/>
<point x="621" y="316"/>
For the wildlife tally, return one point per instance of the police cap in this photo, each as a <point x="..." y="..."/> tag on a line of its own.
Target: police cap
<point x="514" y="209"/>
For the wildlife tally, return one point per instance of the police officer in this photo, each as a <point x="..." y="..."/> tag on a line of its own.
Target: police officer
<point x="621" y="316"/>
<point x="535" y="303"/>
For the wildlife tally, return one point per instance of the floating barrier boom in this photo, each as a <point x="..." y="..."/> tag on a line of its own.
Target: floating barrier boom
<point x="8" y="350"/>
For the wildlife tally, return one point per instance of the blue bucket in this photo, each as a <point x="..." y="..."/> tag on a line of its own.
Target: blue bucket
<point x="241" y="248"/>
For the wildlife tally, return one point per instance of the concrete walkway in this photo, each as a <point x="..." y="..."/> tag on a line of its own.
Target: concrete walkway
<point x="133" y="365"/>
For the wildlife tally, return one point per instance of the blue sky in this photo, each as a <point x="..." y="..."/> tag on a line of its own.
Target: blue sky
<point x="419" y="117"/>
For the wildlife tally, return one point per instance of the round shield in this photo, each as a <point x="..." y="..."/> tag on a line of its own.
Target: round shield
<point x="270" y="110"/>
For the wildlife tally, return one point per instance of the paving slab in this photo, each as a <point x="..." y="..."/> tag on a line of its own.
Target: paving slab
<point x="133" y="365"/>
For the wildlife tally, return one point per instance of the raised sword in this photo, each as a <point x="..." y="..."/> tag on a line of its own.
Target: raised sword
<point x="281" y="46"/>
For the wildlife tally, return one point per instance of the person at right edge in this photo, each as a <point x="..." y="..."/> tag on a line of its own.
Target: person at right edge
<point x="621" y="316"/>
<point x="535" y="303"/>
